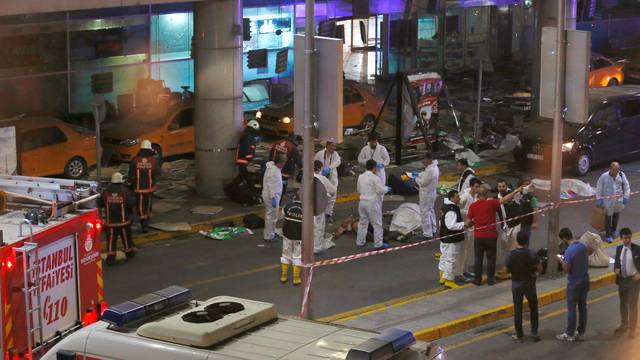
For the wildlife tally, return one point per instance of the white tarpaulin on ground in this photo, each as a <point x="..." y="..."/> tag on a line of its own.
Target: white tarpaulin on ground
<point x="406" y="218"/>
<point x="505" y="151"/>
<point x="575" y="186"/>
<point x="599" y="258"/>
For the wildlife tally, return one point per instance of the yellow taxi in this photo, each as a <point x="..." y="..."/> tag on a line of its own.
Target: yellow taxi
<point x="169" y="128"/>
<point x="603" y="72"/>
<point x="48" y="146"/>
<point x="360" y="108"/>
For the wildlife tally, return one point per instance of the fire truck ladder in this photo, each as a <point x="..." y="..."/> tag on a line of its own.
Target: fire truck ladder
<point x="31" y="270"/>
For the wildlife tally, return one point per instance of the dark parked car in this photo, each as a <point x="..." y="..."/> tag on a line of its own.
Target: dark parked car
<point x="611" y="132"/>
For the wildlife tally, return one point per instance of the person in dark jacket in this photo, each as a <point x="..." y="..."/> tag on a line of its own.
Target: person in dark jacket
<point x="144" y="170"/>
<point x="466" y="174"/>
<point x="627" y="269"/>
<point x="292" y="242"/>
<point x="247" y="148"/>
<point x="116" y="200"/>
<point x="289" y="149"/>
<point x="524" y="265"/>
<point x="452" y="240"/>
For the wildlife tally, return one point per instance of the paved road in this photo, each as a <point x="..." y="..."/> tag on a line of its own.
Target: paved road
<point x="245" y="267"/>
<point x="493" y="341"/>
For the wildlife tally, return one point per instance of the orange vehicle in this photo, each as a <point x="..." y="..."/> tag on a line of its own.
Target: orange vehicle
<point x="170" y="130"/>
<point x="360" y="109"/>
<point x="604" y="72"/>
<point x="47" y="146"/>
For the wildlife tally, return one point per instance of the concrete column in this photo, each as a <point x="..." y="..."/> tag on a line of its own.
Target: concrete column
<point x="218" y="92"/>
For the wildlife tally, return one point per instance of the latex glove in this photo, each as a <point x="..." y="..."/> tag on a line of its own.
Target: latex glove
<point x="380" y="166"/>
<point x="388" y="190"/>
<point x="625" y="201"/>
<point x="600" y="203"/>
<point x="326" y="172"/>
<point x="274" y="202"/>
<point x="415" y="174"/>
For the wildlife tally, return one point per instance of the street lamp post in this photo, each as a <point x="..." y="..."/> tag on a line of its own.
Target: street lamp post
<point x="307" y="156"/>
<point x="556" y="148"/>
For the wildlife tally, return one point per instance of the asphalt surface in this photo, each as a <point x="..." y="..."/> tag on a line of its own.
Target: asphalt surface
<point x="493" y="341"/>
<point x="246" y="267"/>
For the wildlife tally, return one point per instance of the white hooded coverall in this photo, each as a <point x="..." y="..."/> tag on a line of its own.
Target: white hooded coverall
<point x="451" y="258"/>
<point x="371" y="190"/>
<point x="319" y="221"/>
<point x="271" y="188"/>
<point x="427" y="183"/>
<point x="380" y="155"/>
<point x="331" y="161"/>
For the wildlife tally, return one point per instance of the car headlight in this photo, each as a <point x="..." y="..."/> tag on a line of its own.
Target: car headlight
<point x="258" y="114"/>
<point x="568" y="146"/>
<point x="129" y="142"/>
<point x="286" y="120"/>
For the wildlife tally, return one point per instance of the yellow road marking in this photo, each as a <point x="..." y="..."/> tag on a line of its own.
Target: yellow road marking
<point x="511" y="328"/>
<point x="231" y="276"/>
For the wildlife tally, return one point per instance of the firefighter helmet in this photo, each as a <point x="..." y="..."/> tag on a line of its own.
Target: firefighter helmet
<point x="146" y="144"/>
<point x="117" y="178"/>
<point x="254" y="124"/>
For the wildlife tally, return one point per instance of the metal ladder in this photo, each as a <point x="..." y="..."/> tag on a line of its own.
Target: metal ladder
<point x="31" y="269"/>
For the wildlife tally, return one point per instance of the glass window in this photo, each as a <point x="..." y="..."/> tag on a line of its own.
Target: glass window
<point x="182" y="120"/>
<point x="352" y="96"/>
<point x="630" y="108"/>
<point x="601" y="63"/>
<point x="605" y="117"/>
<point x="42" y="137"/>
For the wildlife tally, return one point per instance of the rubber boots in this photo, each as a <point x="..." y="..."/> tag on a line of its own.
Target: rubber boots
<point x="284" y="271"/>
<point x="442" y="278"/>
<point x="296" y="275"/>
<point x="451" y="284"/>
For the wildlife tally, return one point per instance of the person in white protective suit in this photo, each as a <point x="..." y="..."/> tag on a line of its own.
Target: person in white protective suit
<point x="271" y="195"/>
<point x="612" y="194"/>
<point x="427" y="182"/>
<point x="330" y="160"/>
<point x="451" y="240"/>
<point x="378" y="153"/>
<point x="371" y="190"/>
<point x="320" y="244"/>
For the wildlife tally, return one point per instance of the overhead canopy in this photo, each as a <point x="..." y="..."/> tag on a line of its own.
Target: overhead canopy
<point x="23" y="7"/>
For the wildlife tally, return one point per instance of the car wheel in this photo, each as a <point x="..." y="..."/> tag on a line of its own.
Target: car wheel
<point x="612" y="82"/>
<point x="76" y="168"/>
<point x="158" y="150"/>
<point x="583" y="163"/>
<point x="367" y="122"/>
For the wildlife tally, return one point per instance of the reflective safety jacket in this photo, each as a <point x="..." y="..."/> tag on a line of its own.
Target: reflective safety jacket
<point x="289" y="149"/>
<point x="143" y="170"/>
<point x="116" y="200"/>
<point x="246" y="146"/>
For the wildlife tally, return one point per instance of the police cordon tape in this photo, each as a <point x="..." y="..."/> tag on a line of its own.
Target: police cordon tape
<point x="348" y="258"/>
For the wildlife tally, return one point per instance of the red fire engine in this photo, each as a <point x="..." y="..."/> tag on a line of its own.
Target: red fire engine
<point x="51" y="267"/>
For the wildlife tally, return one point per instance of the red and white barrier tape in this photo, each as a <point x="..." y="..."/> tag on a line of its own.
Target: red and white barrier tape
<point x="348" y="258"/>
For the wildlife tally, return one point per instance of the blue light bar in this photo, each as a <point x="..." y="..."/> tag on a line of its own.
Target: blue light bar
<point x="146" y="305"/>
<point x="399" y="339"/>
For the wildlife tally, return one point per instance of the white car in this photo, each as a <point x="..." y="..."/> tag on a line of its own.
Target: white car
<point x="166" y="324"/>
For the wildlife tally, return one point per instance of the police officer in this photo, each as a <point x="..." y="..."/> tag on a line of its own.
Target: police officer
<point x="451" y="240"/>
<point x="116" y="200"/>
<point x="292" y="242"/>
<point x="143" y="172"/>
<point x="247" y="147"/>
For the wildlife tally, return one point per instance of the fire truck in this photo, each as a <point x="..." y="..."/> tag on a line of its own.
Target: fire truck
<point x="167" y="324"/>
<point x="51" y="266"/>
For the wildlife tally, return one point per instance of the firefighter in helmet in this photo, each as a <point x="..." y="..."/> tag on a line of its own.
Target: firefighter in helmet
<point x="144" y="170"/>
<point x="116" y="200"/>
<point x="247" y="147"/>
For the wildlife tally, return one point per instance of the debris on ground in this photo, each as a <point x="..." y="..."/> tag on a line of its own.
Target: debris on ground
<point x="225" y="233"/>
<point x="206" y="210"/>
<point x="505" y="151"/>
<point x="171" y="226"/>
<point x="348" y="225"/>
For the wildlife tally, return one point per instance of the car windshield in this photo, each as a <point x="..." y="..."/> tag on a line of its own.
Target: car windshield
<point x="256" y="92"/>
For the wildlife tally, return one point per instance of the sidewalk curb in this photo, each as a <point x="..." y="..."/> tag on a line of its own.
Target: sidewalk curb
<point x="236" y="219"/>
<point x="501" y="312"/>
